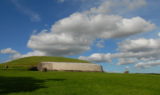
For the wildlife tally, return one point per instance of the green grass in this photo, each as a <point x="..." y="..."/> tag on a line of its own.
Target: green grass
<point x="77" y="83"/>
<point x="12" y="67"/>
<point x="24" y="63"/>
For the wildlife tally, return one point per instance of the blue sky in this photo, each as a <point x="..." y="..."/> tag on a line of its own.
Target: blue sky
<point x="120" y="35"/>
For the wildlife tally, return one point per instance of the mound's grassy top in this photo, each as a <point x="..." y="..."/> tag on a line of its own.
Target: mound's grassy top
<point x="34" y="60"/>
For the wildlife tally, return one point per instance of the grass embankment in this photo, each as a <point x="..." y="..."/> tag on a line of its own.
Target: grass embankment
<point x="77" y="83"/>
<point x="27" y="62"/>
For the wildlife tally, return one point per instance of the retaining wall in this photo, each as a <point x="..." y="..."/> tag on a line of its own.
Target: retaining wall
<point x="67" y="66"/>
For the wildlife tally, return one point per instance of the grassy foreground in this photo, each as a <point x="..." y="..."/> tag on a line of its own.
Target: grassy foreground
<point x="77" y="83"/>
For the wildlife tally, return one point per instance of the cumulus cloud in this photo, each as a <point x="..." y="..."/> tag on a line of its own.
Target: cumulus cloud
<point x="139" y="49"/>
<point x="149" y="58"/>
<point x="103" y="8"/>
<point x="61" y="1"/>
<point x="7" y="60"/>
<point x="144" y="49"/>
<point x="134" y="4"/>
<point x="101" y="26"/>
<point x="99" y="44"/>
<point x="159" y="34"/>
<point x="59" y="44"/>
<point x="18" y="55"/>
<point x="138" y="45"/>
<point x="98" y="58"/>
<point x="46" y="24"/>
<point x="124" y="61"/>
<point x="127" y="67"/>
<point x="8" y="51"/>
<point x="33" y="16"/>
<point x="147" y="65"/>
<point x="75" y="34"/>
<point x="34" y="31"/>
<point x="110" y="5"/>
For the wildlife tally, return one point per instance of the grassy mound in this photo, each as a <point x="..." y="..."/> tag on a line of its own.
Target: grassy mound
<point x="27" y="62"/>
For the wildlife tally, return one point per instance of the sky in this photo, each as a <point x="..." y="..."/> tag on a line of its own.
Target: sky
<point x="119" y="35"/>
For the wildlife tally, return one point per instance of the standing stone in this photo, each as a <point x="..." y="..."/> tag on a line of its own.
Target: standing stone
<point x="126" y="72"/>
<point x="6" y="66"/>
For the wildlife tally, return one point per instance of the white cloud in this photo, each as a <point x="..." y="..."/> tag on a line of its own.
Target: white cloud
<point x="147" y="65"/>
<point x="75" y="34"/>
<point x="144" y="49"/>
<point x="8" y="60"/>
<point x="101" y="41"/>
<point x="124" y="61"/>
<point x="59" y="44"/>
<point x="8" y="50"/>
<point x="127" y="67"/>
<point x="18" y="55"/>
<point x="99" y="44"/>
<point x="159" y="34"/>
<point x="34" y="31"/>
<point x="134" y="4"/>
<point x="83" y="0"/>
<point x="102" y="26"/>
<point x="138" y="45"/>
<point x="139" y="49"/>
<point x="110" y="6"/>
<point x="78" y="31"/>
<point x="98" y="58"/>
<point x="103" y="8"/>
<point x="46" y="24"/>
<point x="43" y="31"/>
<point x="61" y="1"/>
<point x="33" y="16"/>
<point x="148" y="58"/>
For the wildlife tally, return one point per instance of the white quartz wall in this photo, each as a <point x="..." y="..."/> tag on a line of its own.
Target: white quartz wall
<point x="69" y="66"/>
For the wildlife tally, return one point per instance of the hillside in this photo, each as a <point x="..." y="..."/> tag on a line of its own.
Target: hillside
<point x="34" y="60"/>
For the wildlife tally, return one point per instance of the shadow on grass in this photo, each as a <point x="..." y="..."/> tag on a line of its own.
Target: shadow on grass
<point x="19" y="84"/>
<point x="56" y="79"/>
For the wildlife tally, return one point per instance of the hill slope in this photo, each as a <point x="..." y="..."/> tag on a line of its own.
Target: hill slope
<point x="34" y="60"/>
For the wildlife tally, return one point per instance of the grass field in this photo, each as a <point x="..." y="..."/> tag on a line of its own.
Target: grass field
<point x="77" y="83"/>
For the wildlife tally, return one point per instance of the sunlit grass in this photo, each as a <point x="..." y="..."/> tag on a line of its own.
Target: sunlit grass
<point x="77" y="83"/>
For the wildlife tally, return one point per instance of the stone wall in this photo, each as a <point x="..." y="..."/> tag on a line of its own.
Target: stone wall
<point x="68" y="66"/>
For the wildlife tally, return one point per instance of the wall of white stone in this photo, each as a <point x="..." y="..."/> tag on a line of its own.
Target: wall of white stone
<point x="69" y="66"/>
